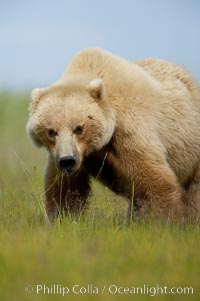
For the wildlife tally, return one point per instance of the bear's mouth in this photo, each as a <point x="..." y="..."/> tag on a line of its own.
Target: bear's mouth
<point x="72" y="173"/>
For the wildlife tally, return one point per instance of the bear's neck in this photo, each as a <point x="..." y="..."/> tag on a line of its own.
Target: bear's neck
<point x="120" y="76"/>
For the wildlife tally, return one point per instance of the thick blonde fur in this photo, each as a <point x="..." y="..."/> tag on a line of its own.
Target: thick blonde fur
<point x="143" y="124"/>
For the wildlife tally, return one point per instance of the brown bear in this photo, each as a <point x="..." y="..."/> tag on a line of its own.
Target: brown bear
<point x="132" y="126"/>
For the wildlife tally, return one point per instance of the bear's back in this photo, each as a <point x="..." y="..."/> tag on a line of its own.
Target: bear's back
<point x="172" y="77"/>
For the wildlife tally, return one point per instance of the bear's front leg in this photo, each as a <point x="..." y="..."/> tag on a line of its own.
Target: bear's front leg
<point x="63" y="193"/>
<point x="157" y="189"/>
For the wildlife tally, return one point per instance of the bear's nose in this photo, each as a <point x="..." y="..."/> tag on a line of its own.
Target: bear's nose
<point x="67" y="162"/>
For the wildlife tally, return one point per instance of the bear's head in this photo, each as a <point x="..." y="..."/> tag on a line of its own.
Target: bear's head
<point x="72" y="121"/>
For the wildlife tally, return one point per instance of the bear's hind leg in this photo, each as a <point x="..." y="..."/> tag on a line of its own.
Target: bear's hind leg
<point x="193" y="196"/>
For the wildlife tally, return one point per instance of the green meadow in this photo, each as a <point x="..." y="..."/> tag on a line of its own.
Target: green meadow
<point x="95" y="258"/>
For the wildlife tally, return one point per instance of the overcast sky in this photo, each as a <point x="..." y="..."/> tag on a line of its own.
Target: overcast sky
<point x="38" y="38"/>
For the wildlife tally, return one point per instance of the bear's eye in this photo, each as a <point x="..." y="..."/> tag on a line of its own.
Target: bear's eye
<point x="51" y="133"/>
<point x="78" y="130"/>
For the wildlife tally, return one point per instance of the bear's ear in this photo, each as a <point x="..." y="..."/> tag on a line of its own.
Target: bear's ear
<point x="96" y="89"/>
<point x="36" y="96"/>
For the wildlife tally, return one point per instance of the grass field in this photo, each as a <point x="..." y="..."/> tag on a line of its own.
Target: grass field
<point x="98" y="250"/>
